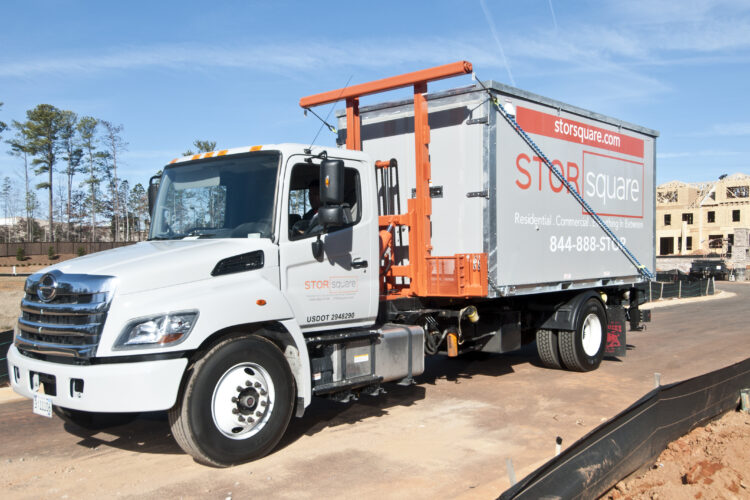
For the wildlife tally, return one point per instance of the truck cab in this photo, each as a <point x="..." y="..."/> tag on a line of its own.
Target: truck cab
<point x="236" y="247"/>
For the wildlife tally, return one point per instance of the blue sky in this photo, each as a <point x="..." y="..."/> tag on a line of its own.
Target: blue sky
<point x="233" y="71"/>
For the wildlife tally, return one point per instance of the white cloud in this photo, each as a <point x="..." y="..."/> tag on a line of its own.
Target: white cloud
<point x="730" y="129"/>
<point x="300" y="57"/>
<point x="735" y="129"/>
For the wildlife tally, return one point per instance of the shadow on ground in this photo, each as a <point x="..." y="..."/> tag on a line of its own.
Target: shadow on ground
<point x="150" y="432"/>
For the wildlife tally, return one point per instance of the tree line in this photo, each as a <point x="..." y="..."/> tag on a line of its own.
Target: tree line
<point x="72" y="161"/>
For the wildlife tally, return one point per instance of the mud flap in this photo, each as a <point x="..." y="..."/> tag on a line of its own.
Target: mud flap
<point x="616" y="342"/>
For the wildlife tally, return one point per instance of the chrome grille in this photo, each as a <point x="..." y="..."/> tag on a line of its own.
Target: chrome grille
<point x="69" y="323"/>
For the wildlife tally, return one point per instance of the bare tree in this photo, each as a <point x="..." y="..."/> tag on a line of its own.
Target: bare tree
<point x="21" y="148"/>
<point x="6" y="191"/>
<point x="73" y="154"/>
<point x="115" y="145"/>
<point x="61" y="203"/>
<point x="87" y="129"/>
<point x="123" y="195"/>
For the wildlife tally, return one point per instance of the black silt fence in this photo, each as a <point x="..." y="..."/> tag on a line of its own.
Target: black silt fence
<point x="680" y="289"/>
<point x="633" y="439"/>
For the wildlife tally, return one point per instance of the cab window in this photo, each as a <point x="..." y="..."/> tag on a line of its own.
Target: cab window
<point x="304" y="201"/>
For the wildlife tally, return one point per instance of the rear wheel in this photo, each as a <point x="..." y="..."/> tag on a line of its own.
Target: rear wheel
<point x="236" y="403"/>
<point x="547" y="347"/>
<point x="582" y="350"/>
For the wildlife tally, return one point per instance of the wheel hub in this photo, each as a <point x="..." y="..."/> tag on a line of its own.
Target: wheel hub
<point x="591" y="336"/>
<point x="248" y="401"/>
<point x="242" y="401"/>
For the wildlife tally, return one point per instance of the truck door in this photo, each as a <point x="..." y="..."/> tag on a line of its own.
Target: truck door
<point x="340" y="287"/>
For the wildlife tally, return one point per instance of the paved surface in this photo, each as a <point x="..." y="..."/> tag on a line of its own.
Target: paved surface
<point x="449" y="436"/>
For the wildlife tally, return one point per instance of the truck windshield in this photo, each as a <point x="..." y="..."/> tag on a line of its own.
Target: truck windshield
<point x="229" y="197"/>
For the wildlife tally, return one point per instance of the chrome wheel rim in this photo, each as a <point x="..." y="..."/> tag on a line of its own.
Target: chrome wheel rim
<point x="591" y="335"/>
<point x="242" y="401"/>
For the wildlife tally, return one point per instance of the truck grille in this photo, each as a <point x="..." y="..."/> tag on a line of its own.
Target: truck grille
<point x="63" y="315"/>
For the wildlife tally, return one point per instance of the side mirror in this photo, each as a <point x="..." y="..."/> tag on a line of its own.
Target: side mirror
<point x="331" y="216"/>
<point x="153" y="190"/>
<point x="332" y="182"/>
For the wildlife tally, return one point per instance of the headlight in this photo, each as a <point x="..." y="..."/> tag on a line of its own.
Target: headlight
<point x="157" y="331"/>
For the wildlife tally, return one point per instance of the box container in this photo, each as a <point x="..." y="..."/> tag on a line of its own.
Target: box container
<point x="491" y="194"/>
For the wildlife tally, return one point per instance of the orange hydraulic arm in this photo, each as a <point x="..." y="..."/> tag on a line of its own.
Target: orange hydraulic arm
<point x="461" y="275"/>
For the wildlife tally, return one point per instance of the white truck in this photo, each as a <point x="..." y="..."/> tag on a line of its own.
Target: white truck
<point x="280" y="272"/>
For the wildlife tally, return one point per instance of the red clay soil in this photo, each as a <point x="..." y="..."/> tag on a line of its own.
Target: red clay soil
<point x="710" y="462"/>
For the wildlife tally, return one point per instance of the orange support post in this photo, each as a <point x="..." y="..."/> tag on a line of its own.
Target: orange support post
<point x="353" y="124"/>
<point x="461" y="275"/>
<point x="423" y="203"/>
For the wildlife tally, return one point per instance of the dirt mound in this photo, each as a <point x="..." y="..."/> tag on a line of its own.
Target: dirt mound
<point x="710" y="462"/>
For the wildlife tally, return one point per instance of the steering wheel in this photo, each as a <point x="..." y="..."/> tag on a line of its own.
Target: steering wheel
<point x="313" y="224"/>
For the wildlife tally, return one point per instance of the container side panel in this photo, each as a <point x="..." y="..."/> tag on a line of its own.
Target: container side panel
<point x="456" y="154"/>
<point x="544" y="235"/>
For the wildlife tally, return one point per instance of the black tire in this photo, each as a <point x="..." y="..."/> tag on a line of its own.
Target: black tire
<point x="571" y="343"/>
<point x="192" y="418"/>
<point x="547" y="348"/>
<point x="93" y="421"/>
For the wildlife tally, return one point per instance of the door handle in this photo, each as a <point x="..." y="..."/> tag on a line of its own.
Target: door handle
<point x="359" y="264"/>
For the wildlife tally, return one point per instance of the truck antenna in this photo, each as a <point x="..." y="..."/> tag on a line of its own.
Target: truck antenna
<point x="325" y="122"/>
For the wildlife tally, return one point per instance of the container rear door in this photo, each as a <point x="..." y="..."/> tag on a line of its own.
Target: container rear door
<point x="543" y="234"/>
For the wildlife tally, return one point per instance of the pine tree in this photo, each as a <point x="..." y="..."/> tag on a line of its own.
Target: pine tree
<point x="139" y="206"/>
<point x="3" y="125"/>
<point x="201" y="147"/>
<point x="43" y="129"/>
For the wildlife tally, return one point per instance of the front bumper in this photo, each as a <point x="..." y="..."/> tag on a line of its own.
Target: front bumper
<point x="116" y="387"/>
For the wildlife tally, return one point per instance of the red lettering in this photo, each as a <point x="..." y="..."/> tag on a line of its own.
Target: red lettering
<point x="540" y="162"/>
<point x="573" y="179"/>
<point x="556" y="163"/>
<point x="523" y="171"/>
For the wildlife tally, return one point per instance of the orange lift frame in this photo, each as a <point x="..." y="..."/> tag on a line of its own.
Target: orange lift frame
<point x="460" y="275"/>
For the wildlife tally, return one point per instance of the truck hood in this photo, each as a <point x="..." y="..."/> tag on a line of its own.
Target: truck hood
<point x="156" y="264"/>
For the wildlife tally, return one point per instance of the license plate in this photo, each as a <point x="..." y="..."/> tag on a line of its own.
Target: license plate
<point x="43" y="405"/>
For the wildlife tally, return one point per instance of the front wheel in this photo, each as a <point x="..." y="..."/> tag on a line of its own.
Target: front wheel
<point x="236" y="403"/>
<point x="582" y="350"/>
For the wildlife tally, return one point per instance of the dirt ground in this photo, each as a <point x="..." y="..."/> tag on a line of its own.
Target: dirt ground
<point x="11" y="287"/>
<point x="448" y="436"/>
<point x="11" y="293"/>
<point x="710" y="462"/>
